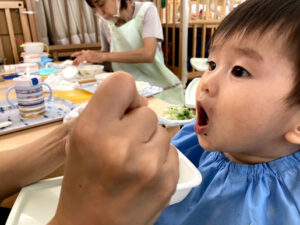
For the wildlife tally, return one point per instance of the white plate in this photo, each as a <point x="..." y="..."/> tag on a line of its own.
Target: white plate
<point x="36" y="204"/>
<point x="199" y="64"/>
<point x="142" y="86"/>
<point x="173" y="123"/>
<point x="162" y="118"/>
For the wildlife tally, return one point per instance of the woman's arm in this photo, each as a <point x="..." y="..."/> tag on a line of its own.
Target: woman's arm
<point x="31" y="162"/>
<point x="145" y="54"/>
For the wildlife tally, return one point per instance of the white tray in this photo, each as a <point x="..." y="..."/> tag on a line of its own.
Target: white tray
<point x="36" y="204"/>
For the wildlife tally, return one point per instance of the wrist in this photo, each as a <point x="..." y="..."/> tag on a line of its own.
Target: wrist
<point x="58" y="138"/>
<point x="107" y="57"/>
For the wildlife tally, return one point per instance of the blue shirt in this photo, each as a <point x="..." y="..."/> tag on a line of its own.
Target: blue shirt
<point x="236" y="194"/>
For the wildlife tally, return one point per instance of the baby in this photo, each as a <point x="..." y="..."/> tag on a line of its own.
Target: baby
<point x="248" y="121"/>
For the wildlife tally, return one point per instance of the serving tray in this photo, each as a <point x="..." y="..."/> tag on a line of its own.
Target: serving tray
<point x="56" y="110"/>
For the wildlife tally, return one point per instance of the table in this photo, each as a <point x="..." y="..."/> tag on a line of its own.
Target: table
<point x="16" y="139"/>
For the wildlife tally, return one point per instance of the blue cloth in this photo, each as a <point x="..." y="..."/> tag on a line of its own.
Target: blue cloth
<point x="236" y="194"/>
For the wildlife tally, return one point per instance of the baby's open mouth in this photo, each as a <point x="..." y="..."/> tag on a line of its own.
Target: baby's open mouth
<point x="202" y="120"/>
<point x="202" y="117"/>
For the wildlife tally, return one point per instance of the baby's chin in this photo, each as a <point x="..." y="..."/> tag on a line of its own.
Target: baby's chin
<point x="205" y="143"/>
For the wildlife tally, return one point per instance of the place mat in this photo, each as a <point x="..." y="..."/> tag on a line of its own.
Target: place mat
<point x="56" y="110"/>
<point x="147" y="92"/>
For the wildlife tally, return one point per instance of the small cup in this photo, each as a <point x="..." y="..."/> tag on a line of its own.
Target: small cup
<point x="2" y="63"/>
<point x="29" y="92"/>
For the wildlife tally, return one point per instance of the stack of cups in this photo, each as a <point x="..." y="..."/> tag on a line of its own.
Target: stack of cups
<point x="30" y="97"/>
<point x="34" y="52"/>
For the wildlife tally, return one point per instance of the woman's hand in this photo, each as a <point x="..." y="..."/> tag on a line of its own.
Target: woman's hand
<point x="89" y="56"/>
<point x="121" y="168"/>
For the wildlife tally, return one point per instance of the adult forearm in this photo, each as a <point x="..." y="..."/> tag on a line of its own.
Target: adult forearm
<point x="136" y="56"/>
<point x="31" y="162"/>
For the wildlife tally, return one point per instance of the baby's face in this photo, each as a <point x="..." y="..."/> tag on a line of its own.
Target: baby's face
<point x="241" y="98"/>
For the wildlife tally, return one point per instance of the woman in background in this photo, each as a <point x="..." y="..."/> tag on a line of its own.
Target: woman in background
<point x="131" y="36"/>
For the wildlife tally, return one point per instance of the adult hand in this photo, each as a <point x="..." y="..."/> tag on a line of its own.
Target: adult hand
<point x="89" y="56"/>
<point x="121" y="168"/>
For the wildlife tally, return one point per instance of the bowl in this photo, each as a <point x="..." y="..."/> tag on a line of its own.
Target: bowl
<point x="90" y="70"/>
<point x="189" y="177"/>
<point x="33" y="47"/>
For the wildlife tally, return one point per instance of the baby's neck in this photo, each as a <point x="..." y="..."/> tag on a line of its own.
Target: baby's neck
<point x="262" y="155"/>
<point x="244" y="158"/>
<point x="247" y="159"/>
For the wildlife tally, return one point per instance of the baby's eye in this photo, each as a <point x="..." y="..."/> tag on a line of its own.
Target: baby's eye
<point x="239" y="71"/>
<point x="211" y="65"/>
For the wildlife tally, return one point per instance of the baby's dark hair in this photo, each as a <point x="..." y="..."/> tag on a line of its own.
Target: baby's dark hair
<point x="123" y="3"/>
<point x="262" y="16"/>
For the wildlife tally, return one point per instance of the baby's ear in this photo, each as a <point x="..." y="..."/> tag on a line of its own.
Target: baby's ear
<point x="293" y="135"/>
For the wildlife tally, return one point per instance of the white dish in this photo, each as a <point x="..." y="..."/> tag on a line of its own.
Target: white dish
<point x="90" y="70"/>
<point x="173" y="123"/>
<point x="199" y="64"/>
<point x="36" y="204"/>
<point x="33" y="47"/>
<point x="142" y="86"/>
<point x="172" y="116"/>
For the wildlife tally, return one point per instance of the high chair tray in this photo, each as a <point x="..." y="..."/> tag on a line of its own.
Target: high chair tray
<point x="36" y="204"/>
<point x="56" y="109"/>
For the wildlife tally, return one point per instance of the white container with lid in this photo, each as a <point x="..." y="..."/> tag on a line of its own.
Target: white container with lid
<point x="25" y="67"/>
<point x="33" y="47"/>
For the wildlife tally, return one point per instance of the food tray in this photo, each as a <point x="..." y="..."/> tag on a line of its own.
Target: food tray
<point x="147" y="92"/>
<point x="56" y="110"/>
<point x="36" y="204"/>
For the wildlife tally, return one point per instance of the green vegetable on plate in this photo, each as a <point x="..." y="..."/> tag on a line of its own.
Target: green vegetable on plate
<point x="178" y="112"/>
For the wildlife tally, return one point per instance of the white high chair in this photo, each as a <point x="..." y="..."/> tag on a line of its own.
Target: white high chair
<point x="199" y="64"/>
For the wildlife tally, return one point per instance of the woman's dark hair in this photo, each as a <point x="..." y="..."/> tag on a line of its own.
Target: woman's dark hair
<point x="262" y="16"/>
<point x="123" y="3"/>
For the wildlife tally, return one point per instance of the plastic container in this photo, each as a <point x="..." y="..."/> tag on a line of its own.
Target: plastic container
<point x="34" y="47"/>
<point x="33" y="68"/>
<point x="45" y="72"/>
<point x="2" y="63"/>
<point x="31" y="58"/>
<point x="90" y="70"/>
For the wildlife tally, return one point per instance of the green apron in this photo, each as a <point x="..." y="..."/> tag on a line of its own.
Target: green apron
<point x="128" y="37"/>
